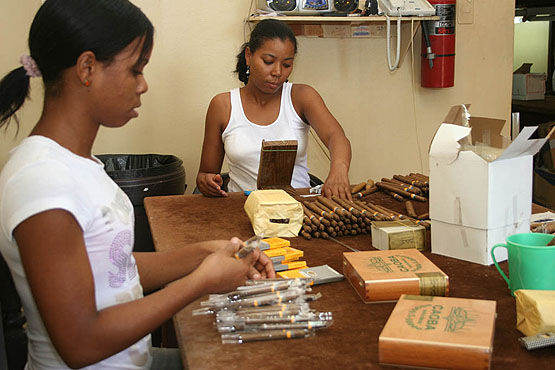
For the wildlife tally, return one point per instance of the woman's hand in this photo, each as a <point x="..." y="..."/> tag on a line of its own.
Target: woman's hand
<point x="222" y="272"/>
<point x="263" y="267"/>
<point x="210" y="184"/>
<point x="337" y="184"/>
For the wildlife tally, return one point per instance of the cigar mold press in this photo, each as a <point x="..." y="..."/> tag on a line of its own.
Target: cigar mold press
<point x="266" y="310"/>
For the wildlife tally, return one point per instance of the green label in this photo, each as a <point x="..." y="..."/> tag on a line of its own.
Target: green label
<point x="424" y="317"/>
<point x="395" y="263"/>
<point x="459" y="319"/>
<point x="429" y="317"/>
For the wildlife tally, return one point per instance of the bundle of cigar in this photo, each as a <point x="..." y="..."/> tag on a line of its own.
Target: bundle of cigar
<point x="334" y="217"/>
<point x="401" y="187"/>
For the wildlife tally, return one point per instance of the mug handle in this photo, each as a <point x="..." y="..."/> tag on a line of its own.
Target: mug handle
<point x="497" y="265"/>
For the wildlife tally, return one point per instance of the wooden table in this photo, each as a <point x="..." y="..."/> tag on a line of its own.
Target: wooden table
<point x="352" y="341"/>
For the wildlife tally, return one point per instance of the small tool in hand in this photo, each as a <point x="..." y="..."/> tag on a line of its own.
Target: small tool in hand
<point x="248" y="246"/>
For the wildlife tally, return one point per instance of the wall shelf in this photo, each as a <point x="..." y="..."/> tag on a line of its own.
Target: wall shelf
<point x="307" y="19"/>
<point x="341" y="27"/>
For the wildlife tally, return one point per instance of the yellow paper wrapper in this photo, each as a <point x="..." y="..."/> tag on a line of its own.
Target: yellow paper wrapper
<point x="535" y="311"/>
<point x="274" y="213"/>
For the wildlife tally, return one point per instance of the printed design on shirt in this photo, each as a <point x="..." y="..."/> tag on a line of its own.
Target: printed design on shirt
<point x="120" y="208"/>
<point x="121" y="259"/>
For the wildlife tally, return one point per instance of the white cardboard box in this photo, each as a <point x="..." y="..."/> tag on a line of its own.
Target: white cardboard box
<point x="529" y="86"/>
<point x="476" y="203"/>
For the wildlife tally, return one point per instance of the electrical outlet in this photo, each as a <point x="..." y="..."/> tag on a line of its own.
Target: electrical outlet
<point x="465" y="11"/>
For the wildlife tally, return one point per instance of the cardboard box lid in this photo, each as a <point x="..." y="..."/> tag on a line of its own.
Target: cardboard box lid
<point x="446" y="143"/>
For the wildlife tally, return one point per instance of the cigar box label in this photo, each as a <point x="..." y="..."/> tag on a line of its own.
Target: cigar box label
<point x="432" y="283"/>
<point x="434" y="317"/>
<point x="394" y="263"/>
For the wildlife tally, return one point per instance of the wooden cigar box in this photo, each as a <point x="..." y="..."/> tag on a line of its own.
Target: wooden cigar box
<point x="379" y="276"/>
<point x="439" y="332"/>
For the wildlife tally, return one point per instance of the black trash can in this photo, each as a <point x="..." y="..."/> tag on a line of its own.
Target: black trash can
<point x="145" y="175"/>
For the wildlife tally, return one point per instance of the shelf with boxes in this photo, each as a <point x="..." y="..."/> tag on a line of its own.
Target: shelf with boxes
<point x="355" y="27"/>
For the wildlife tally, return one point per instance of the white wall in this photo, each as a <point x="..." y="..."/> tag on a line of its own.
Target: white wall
<point x="388" y="117"/>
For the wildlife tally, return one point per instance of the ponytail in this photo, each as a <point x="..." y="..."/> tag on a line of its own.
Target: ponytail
<point x="241" y="68"/>
<point x="14" y="89"/>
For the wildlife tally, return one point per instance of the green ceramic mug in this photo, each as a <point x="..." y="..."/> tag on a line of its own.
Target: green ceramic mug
<point x="531" y="262"/>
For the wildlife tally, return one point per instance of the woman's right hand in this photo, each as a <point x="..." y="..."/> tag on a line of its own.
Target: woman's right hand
<point x="222" y="272"/>
<point x="210" y="184"/>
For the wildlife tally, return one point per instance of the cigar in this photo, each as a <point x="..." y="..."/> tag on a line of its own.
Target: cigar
<point x="394" y="195"/>
<point x="356" y="188"/>
<point x="369" y="184"/>
<point x="423" y="216"/>
<point x="349" y="206"/>
<point x="322" y="206"/>
<point x="406" y="194"/>
<point x="410" y="209"/>
<point x="364" y="193"/>
<point x="408" y="180"/>
<point x="313" y="207"/>
<point x="306" y="235"/>
<point x="333" y="206"/>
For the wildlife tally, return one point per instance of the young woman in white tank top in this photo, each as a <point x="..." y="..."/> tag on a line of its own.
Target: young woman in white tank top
<point x="268" y="107"/>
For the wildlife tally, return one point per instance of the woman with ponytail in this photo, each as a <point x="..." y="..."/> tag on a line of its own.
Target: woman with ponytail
<point x="271" y="108"/>
<point x="66" y="229"/>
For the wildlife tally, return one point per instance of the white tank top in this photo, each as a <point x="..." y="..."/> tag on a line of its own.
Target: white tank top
<point x="243" y="139"/>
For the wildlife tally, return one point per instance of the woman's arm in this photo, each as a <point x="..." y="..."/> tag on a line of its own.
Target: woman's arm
<point x="57" y="267"/>
<point x="313" y="110"/>
<point x="209" y="180"/>
<point x="159" y="268"/>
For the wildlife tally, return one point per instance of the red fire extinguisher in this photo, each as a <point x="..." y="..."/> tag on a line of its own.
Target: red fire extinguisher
<point x="438" y="46"/>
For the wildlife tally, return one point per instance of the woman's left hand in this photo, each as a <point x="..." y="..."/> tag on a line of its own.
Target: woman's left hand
<point x="337" y="184"/>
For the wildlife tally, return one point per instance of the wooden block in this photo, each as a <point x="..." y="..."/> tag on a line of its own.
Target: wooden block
<point x="277" y="161"/>
<point x="439" y="332"/>
<point x="379" y="276"/>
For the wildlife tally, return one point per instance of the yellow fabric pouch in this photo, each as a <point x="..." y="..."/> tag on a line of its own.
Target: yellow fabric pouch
<point x="274" y="213"/>
<point x="535" y="311"/>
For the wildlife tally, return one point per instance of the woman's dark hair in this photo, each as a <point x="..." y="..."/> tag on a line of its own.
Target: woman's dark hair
<point x="61" y="31"/>
<point x="267" y="29"/>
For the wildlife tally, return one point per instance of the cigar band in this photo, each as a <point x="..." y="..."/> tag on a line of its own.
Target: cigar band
<point x="432" y="283"/>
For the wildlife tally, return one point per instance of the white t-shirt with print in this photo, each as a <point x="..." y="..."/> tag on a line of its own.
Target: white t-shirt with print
<point x="41" y="175"/>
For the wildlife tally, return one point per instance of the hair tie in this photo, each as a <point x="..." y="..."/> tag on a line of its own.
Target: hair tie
<point x="30" y="66"/>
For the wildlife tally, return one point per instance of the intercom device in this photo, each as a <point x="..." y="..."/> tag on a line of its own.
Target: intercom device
<point x="306" y="7"/>
<point x="421" y="8"/>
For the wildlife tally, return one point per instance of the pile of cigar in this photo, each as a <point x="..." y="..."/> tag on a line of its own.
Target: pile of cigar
<point x="401" y="187"/>
<point x="334" y="217"/>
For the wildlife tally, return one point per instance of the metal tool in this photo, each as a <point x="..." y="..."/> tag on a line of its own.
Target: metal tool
<point x="343" y="244"/>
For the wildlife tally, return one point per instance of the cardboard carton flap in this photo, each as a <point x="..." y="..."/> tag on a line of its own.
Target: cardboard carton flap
<point x="522" y="146"/>
<point x="445" y="144"/>
<point x="524" y="68"/>
<point x="458" y="115"/>
<point x="487" y="131"/>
